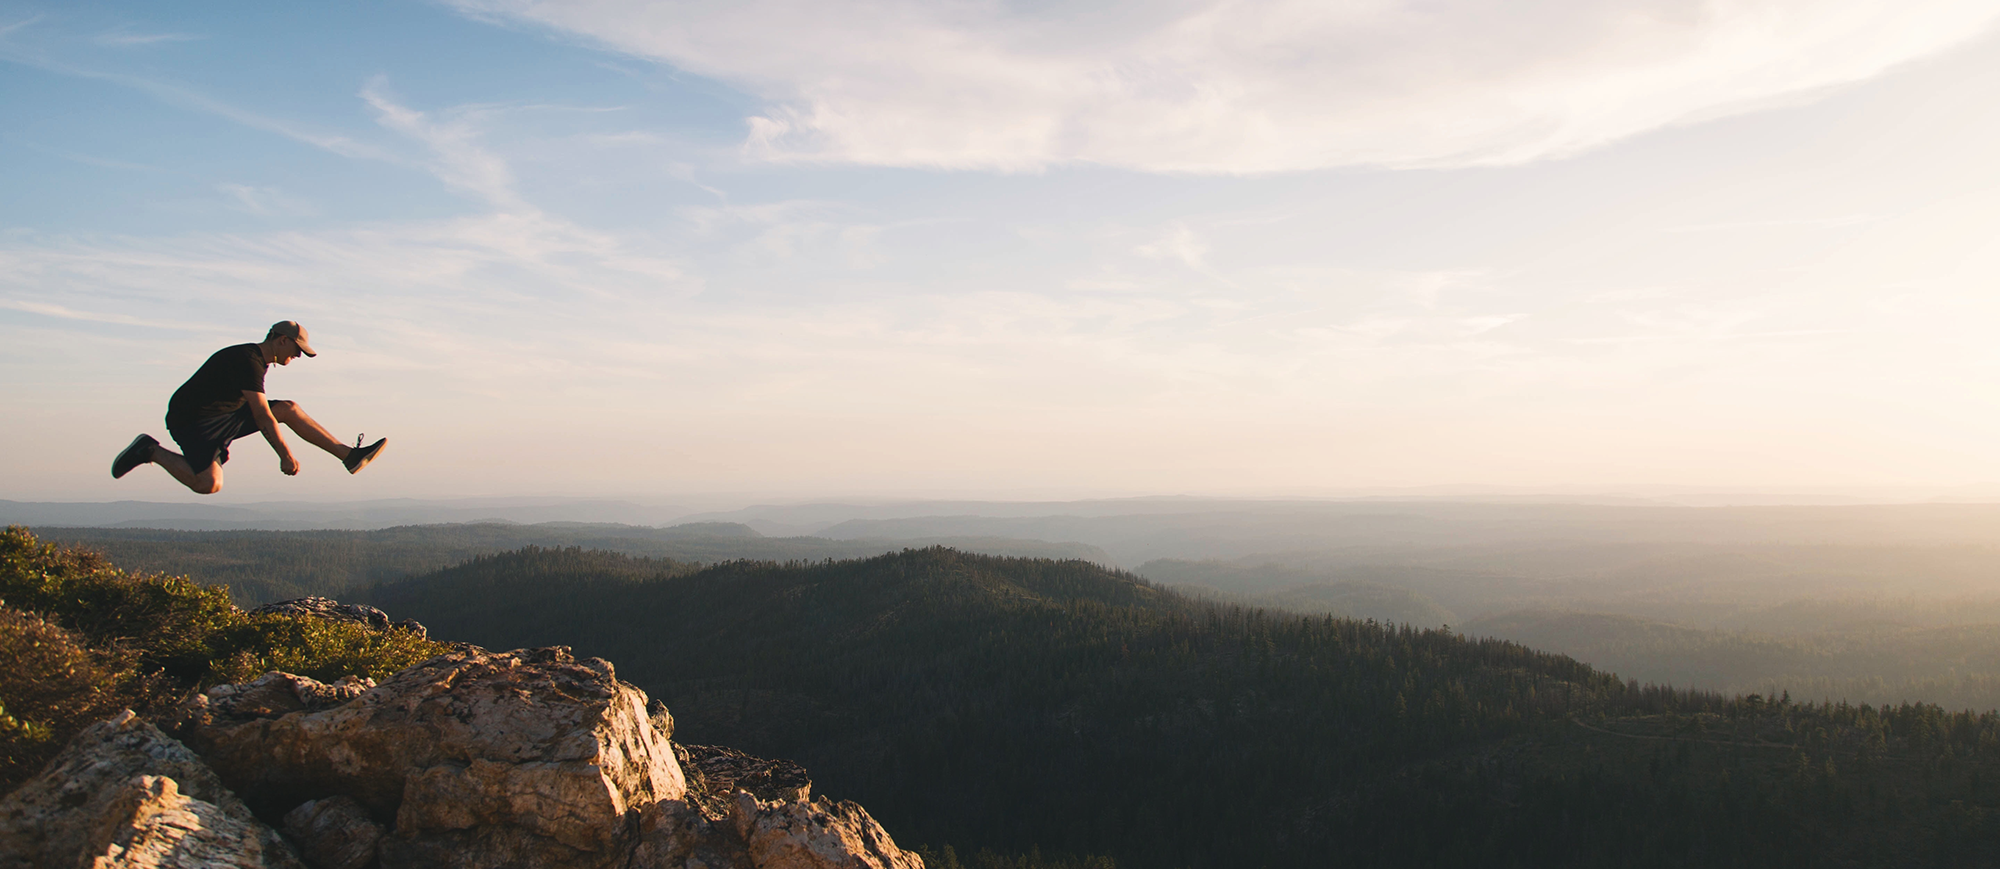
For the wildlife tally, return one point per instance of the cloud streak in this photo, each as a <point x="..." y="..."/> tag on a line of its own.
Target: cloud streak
<point x="1222" y="86"/>
<point x="184" y="97"/>
<point x="6" y="29"/>
<point x="65" y="313"/>
<point x="121" y="39"/>
<point x="460" y="160"/>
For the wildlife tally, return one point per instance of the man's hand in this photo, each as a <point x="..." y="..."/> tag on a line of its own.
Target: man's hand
<point x="260" y="410"/>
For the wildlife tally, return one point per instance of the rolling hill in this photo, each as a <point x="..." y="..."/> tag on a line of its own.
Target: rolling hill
<point x="1020" y="703"/>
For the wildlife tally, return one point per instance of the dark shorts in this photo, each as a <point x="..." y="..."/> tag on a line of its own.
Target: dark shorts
<point x="205" y="442"/>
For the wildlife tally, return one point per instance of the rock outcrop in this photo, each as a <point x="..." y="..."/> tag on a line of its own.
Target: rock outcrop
<point x="123" y="794"/>
<point x="471" y="758"/>
<point x="333" y="610"/>
<point x="815" y="834"/>
<point x="715" y="773"/>
<point x="336" y="833"/>
<point x="529" y="758"/>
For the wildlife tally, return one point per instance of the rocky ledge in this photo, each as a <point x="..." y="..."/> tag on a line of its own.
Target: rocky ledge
<point x="528" y="758"/>
<point x="333" y="610"/>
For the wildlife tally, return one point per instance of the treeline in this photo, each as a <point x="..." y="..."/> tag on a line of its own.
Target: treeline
<point x="1956" y="667"/>
<point x="261" y="567"/>
<point x="1004" y="704"/>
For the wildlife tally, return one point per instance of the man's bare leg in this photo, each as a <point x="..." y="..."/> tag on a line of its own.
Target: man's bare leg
<point x="207" y="482"/>
<point x="294" y="417"/>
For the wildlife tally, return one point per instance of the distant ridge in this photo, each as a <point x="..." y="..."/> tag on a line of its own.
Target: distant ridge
<point x="261" y="566"/>
<point x="348" y="515"/>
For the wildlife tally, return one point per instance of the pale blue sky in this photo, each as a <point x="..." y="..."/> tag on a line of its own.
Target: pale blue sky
<point x="1001" y="250"/>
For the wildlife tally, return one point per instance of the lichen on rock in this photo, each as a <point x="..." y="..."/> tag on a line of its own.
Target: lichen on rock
<point x="530" y="758"/>
<point x="815" y="834"/>
<point x="333" y="610"/>
<point x="334" y="833"/>
<point x="520" y="752"/>
<point x="124" y="794"/>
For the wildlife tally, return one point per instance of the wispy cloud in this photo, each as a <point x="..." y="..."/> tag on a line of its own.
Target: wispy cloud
<point x="1180" y="243"/>
<point x="47" y="309"/>
<point x="265" y="201"/>
<point x="185" y="97"/>
<point x="122" y="38"/>
<point x="1220" y="86"/>
<point x="90" y="160"/>
<point x="459" y="158"/>
<point x="1789" y="223"/>
<point x="6" y="29"/>
<point x="788" y="229"/>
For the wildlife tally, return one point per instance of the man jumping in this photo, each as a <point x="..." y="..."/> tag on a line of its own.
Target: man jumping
<point x="223" y="401"/>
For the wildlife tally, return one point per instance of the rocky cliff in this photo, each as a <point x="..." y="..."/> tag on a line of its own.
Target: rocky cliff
<point x="528" y="758"/>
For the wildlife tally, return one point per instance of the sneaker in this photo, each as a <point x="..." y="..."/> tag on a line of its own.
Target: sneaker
<point x="139" y="453"/>
<point x="361" y="455"/>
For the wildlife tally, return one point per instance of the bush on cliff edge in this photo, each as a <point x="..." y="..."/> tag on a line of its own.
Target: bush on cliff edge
<point x="83" y="639"/>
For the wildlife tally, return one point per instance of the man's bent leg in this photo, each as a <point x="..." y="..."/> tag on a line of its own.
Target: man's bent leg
<point x="207" y="481"/>
<point x="295" y="418"/>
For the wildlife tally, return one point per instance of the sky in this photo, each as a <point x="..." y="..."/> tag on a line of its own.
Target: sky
<point x="1012" y="249"/>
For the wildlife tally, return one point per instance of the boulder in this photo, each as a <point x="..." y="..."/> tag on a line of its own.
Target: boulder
<point x="328" y="608"/>
<point x="815" y="834"/>
<point x="525" y="758"/>
<point x="277" y="693"/>
<point x="723" y="771"/>
<point x="124" y="794"/>
<point x="334" y="833"/>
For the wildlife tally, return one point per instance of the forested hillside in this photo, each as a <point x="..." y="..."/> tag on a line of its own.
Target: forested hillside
<point x="1957" y="667"/>
<point x="1825" y="621"/>
<point x="1017" y="703"/>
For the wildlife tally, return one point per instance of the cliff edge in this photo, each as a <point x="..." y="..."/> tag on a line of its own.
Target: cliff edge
<point x="528" y="758"/>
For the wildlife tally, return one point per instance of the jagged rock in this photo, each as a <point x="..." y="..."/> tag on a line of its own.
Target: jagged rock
<point x="816" y="834"/>
<point x="328" y="608"/>
<point x="663" y="721"/>
<point x="688" y="840"/>
<point x="525" y="758"/>
<point x="528" y="758"/>
<point x="724" y="771"/>
<point x="277" y="693"/>
<point x="123" y="794"/>
<point x="334" y="833"/>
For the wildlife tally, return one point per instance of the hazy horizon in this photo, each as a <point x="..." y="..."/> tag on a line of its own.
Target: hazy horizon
<point x="613" y="249"/>
<point x="1973" y="494"/>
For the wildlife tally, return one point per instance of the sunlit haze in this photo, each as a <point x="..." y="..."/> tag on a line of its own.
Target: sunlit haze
<point x="1014" y="250"/>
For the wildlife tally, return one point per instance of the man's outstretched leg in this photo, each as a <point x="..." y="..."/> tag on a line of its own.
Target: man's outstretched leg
<point x="146" y="450"/>
<point x="295" y="418"/>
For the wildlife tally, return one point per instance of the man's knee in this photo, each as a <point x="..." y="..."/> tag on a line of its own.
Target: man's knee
<point x="284" y="409"/>
<point x="207" y="482"/>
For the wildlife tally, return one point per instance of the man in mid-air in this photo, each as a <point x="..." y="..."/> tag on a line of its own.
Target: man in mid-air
<point x="223" y="401"/>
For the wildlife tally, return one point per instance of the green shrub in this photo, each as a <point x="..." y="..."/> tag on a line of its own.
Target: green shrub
<point x="322" y="649"/>
<point x="84" y="639"/>
<point x="54" y="685"/>
<point x="169" y="622"/>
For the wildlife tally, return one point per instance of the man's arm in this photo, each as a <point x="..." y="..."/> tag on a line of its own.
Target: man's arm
<point x="260" y="410"/>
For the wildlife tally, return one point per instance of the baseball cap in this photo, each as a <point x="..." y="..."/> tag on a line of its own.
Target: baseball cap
<point x="291" y="329"/>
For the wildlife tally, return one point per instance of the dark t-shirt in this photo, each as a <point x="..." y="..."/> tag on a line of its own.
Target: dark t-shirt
<point x="216" y="389"/>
